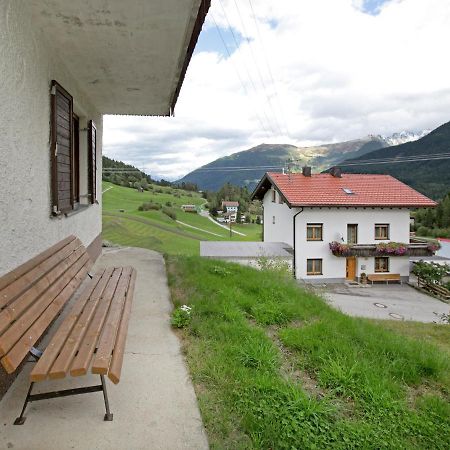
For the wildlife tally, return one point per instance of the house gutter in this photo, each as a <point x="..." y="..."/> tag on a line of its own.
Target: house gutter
<point x="294" y="265"/>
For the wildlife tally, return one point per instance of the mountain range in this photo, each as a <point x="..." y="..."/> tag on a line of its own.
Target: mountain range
<point x="431" y="177"/>
<point x="245" y="168"/>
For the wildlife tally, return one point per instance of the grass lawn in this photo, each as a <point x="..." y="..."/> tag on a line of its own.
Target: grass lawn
<point x="155" y="230"/>
<point x="275" y="367"/>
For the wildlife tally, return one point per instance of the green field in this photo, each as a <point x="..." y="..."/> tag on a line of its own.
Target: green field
<point x="124" y="224"/>
<point x="275" y="367"/>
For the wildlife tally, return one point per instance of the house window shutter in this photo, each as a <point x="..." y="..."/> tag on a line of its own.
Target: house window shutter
<point x="61" y="149"/>
<point x="92" y="155"/>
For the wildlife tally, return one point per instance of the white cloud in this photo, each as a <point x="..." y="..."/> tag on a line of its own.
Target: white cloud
<point x="339" y="74"/>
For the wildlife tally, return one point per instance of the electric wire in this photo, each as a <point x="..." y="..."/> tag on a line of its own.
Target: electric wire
<point x="238" y="74"/>
<point x="269" y="70"/>
<point x="252" y="83"/>
<point x="263" y="83"/>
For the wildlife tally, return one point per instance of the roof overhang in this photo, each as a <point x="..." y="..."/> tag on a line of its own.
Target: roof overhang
<point x="129" y="57"/>
<point x="265" y="184"/>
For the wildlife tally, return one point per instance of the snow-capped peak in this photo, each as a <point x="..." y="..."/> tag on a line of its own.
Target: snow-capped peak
<point x="404" y="136"/>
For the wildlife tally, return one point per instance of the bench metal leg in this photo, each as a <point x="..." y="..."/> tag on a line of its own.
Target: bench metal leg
<point x="108" y="416"/>
<point x="65" y="393"/>
<point x="21" y="419"/>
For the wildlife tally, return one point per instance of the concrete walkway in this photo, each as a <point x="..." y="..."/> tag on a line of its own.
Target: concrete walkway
<point x="154" y="404"/>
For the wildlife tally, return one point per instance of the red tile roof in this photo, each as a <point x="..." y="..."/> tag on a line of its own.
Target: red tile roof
<point x="227" y="203"/>
<point x="326" y="190"/>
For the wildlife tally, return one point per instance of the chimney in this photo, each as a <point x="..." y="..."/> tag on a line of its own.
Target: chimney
<point x="336" y="172"/>
<point x="306" y="171"/>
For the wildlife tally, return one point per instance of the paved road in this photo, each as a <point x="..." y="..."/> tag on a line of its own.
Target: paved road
<point x="394" y="302"/>
<point x="206" y="214"/>
<point x="199" y="229"/>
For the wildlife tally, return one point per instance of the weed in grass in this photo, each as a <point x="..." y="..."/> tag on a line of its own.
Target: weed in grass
<point x="181" y="316"/>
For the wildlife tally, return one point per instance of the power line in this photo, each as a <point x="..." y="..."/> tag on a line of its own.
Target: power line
<point x="238" y="74"/>
<point x="263" y="84"/>
<point x="245" y="65"/>
<point x="398" y="160"/>
<point x="266" y="59"/>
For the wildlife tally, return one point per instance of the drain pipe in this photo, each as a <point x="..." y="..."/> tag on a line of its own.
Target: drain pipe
<point x="294" y="265"/>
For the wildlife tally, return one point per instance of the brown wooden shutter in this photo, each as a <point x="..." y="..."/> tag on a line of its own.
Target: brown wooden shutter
<point x="92" y="155"/>
<point x="76" y="159"/>
<point x="61" y="149"/>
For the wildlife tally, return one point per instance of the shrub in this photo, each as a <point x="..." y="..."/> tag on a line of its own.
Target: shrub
<point x="149" y="206"/>
<point x="181" y="317"/>
<point x="430" y="272"/>
<point x="423" y="231"/>
<point x="169" y="204"/>
<point x="169" y="212"/>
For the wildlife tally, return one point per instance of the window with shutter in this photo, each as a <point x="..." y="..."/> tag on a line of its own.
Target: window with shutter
<point x="92" y="159"/>
<point x="76" y="160"/>
<point x="61" y="149"/>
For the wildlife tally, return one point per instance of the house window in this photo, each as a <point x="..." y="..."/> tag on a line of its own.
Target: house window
<point x="314" y="231"/>
<point x="273" y="220"/>
<point x="274" y="196"/>
<point x="65" y="153"/>
<point x="381" y="264"/>
<point x="314" y="267"/>
<point x="352" y="234"/>
<point x="381" y="231"/>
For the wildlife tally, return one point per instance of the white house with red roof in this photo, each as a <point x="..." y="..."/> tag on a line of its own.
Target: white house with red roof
<point x="342" y="225"/>
<point x="231" y="209"/>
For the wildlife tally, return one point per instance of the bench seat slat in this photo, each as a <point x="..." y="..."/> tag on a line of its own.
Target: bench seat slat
<point x="18" y="328"/>
<point x="87" y="347"/>
<point x="16" y="308"/>
<point x="13" y="359"/>
<point x="107" y="339"/>
<point x="62" y="363"/>
<point x="44" y="364"/>
<point x="10" y="277"/>
<point x="115" y="368"/>
<point x="17" y="287"/>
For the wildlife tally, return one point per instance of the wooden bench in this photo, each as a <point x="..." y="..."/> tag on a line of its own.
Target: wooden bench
<point x="384" y="277"/>
<point x="91" y="336"/>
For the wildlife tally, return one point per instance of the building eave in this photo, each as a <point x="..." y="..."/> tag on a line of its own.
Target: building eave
<point x="198" y="25"/>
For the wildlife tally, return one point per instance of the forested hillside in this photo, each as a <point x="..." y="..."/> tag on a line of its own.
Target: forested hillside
<point x="247" y="167"/>
<point x="432" y="178"/>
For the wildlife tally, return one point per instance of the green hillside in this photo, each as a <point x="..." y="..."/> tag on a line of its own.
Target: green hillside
<point x="275" y="156"/>
<point x="432" y="178"/>
<point x="124" y="224"/>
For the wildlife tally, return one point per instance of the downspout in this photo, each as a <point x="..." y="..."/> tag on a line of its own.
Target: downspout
<point x="294" y="265"/>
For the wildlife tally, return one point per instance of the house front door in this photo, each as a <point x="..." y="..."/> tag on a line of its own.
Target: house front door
<point x="350" y="274"/>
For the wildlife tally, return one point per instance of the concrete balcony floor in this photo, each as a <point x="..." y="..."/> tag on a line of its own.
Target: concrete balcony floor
<point x="154" y="405"/>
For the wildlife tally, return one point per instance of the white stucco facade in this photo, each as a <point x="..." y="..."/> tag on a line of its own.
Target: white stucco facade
<point x="26" y="70"/>
<point x="111" y="56"/>
<point x="334" y="222"/>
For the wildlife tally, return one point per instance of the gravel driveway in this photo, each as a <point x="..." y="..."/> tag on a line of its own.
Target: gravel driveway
<point x="394" y="301"/>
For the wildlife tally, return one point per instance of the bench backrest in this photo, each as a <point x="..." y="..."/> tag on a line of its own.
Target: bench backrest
<point x="32" y="295"/>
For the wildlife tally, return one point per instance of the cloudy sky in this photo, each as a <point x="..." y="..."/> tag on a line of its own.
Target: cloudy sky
<point x="300" y="72"/>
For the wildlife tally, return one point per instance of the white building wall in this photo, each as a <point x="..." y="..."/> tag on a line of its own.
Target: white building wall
<point x="281" y="231"/>
<point x="335" y="221"/>
<point x="26" y="70"/>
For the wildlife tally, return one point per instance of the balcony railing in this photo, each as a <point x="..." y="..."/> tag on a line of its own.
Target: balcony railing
<point x="413" y="248"/>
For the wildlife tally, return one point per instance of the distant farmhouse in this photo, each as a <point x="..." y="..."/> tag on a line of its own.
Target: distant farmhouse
<point x="189" y="208"/>
<point x="230" y="209"/>
<point x="342" y="226"/>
